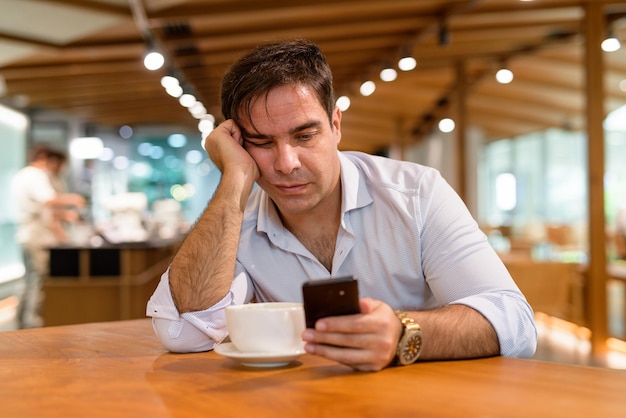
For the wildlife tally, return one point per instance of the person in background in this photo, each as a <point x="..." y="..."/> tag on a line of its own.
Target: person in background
<point x="57" y="162"/>
<point x="60" y="214"/>
<point x="41" y="213"/>
<point x="420" y="258"/>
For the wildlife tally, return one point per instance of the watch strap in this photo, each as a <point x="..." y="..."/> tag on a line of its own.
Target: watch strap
<point x="408" y="350"/>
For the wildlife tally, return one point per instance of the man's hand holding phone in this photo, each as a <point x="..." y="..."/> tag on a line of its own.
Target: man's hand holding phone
<point x="363" y="336"/>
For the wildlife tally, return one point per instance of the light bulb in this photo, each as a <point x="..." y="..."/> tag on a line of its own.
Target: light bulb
<point x="154" y="61"/>
<point x="504" y="76"/>
<point x="611" y="44"/>
<point x="187" y="100"/>
<point x="168" y="81"/>
<point x="367" y="88"/>
<point x="446" y="125"/>
<point x="174" y="90"/>
<point x="343" y="103"/>
<point x="388" y="74"/>
<point x="407" y="63"/>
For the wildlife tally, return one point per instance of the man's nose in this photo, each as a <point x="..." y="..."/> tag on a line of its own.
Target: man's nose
<point x="286" y="159"/>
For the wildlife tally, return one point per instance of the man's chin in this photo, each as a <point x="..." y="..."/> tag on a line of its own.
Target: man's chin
<point x="292" y="205"/>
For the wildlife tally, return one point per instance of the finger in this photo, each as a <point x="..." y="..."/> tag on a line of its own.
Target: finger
<point x="358" y="359"/>
<point x="348" y="324"/>
<point x="367" y="305"/>
<point x="233" y="130"/>
<point x="339" y="339"/>
<point x="364" y="322"/>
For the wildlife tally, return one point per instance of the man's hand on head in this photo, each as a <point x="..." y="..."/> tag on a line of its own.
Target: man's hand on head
<point x="225" y="148"/>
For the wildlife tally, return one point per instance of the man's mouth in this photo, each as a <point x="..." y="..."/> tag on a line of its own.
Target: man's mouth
<point x="291" y="188"/>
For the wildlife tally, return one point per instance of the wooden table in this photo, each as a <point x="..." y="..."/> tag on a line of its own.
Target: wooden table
<point x="119" y="369"/>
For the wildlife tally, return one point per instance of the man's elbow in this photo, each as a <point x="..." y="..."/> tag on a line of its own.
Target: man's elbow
<point x="179" y="337"/>
<point x="524" y="342"/>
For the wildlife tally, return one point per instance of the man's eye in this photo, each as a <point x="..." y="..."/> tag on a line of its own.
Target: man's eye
<point x="306" y="136"/>
<point x="260" y="144"/>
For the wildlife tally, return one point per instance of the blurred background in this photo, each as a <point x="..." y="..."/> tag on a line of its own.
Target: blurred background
<point x="507" y="98"/>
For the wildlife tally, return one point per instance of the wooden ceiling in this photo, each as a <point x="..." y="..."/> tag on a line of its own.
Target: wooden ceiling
<point x="85" y="58"/>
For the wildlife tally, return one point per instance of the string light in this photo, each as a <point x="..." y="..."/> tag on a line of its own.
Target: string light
<point x="504" y="76"/>
<point x="407" y="63"/>
<point x="343" y="103"/>
<point x="388" y="74"/>
<point x="446" y="125"/>
<point x="153" y="60"/>
<point x="367" y="88"/>
<point x="611" y="44"/>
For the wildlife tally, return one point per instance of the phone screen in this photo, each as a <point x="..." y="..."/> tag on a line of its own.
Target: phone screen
<point x="330" y="297"/>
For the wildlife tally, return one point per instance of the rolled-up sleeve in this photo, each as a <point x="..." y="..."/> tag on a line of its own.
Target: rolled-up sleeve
<point x="511" y="317"/>
<point x="192" y="331"/>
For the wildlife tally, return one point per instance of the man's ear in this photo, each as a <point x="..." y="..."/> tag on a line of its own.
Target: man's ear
<point x="336" y="123"/>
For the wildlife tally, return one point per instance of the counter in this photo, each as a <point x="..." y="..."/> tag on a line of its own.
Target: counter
<point x="105" y="283"/>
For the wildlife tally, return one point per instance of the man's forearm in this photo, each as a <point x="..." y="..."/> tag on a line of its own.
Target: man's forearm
<point x="456" y="332"/>
<point x="202" y="271"/>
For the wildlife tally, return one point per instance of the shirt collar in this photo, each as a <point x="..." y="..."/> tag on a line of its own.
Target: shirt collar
<point x="353" y="186"/>
<point x="353" y="189"/>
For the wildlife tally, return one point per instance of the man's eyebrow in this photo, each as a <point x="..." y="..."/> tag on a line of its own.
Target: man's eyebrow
<point x="304" y="126"/>
<point x="247" y="134"/>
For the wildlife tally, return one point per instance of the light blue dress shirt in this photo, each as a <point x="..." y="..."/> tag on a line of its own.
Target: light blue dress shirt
<point x="404" y="233"/>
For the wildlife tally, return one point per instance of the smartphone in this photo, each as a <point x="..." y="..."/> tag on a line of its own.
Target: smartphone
<point x="330" y="297"/>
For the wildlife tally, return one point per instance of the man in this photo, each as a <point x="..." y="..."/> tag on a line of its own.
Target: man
<point x="398" y="226"/>
<point x="41" y="213"/>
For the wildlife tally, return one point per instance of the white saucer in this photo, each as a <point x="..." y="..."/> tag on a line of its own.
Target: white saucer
<point x="229" y="350"/>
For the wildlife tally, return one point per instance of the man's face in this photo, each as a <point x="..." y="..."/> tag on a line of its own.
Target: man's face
<point x="295" y="148"/>
<point x="55" y="165"/>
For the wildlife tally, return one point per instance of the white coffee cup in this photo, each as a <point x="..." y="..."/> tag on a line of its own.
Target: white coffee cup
<point x="271" y="327"/>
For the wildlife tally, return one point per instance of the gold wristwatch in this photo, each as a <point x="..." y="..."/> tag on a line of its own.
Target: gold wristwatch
<point x="411" y="340"/>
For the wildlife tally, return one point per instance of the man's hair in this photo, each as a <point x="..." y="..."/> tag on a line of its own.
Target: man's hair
<point x="45" y="151"/>
<point x="39" y="151"/>
<point x="296" y="62"/>
<point x="59" y="156"/>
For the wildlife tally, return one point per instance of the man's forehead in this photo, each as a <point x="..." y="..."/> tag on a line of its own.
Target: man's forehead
<point x="251" y="129"/>
<point x="290" y="108"/>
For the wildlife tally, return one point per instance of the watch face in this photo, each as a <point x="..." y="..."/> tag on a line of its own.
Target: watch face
<point x="411" y="348"/>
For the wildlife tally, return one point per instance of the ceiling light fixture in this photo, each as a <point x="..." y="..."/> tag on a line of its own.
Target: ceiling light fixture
<point x="611" y="43"/>
<point x="169" y="81"/>
<point x="206" y="125"/>
<point x="153" y="60"/>
<point x="446" y="125"/>
<point x="187" y="100"/>
<point x="174" y="91"/>
<point x="343" y="103"/>
<point x="197" y="110"/>
<point x="367" y="88"/>
<point x="388" y="74"/>
<point x="504" y="75"/>
<point x="407" y="63"/>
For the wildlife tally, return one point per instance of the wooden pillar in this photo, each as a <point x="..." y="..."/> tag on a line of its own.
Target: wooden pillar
<point x="460" y="129"/>
<point x="594" y="89"/>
